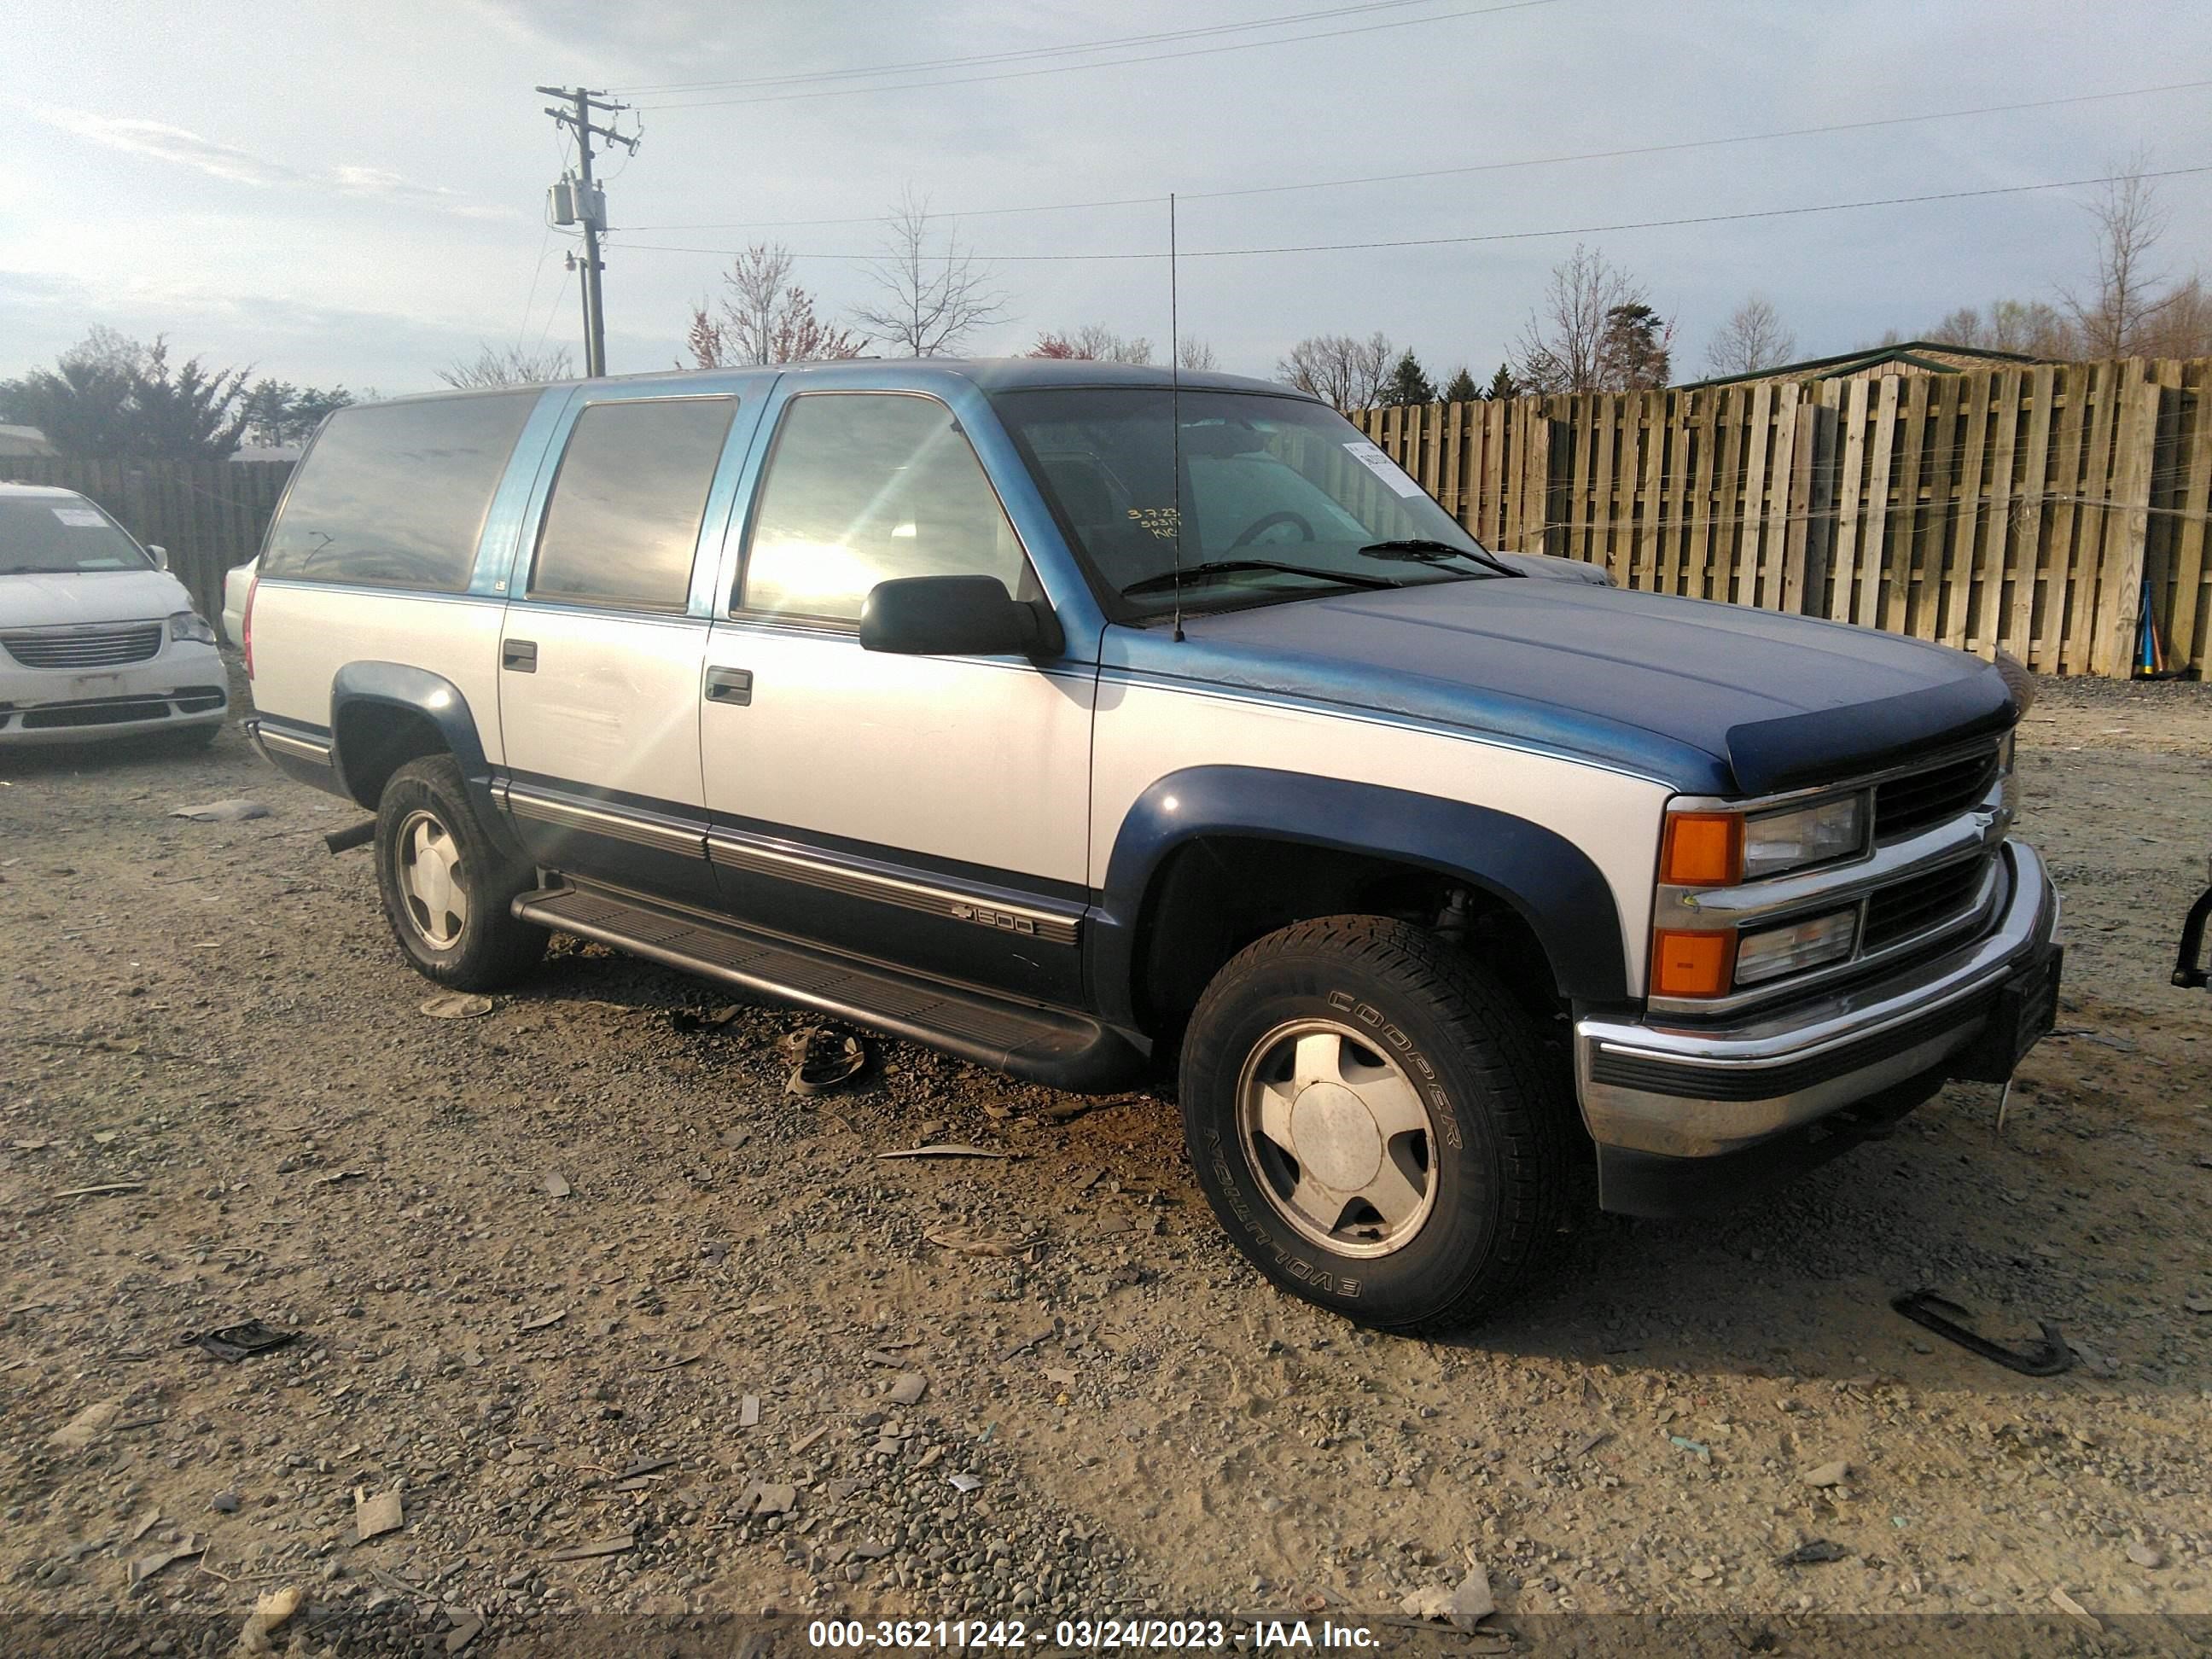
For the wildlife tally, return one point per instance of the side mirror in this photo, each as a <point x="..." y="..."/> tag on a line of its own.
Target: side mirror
<point x="956" y="617"/>
<point x="161" y="554"/>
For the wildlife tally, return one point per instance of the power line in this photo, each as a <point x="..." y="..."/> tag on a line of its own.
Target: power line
<point x="1113" y="63"/>
<point x="1672" y="147"/>
<point x="974" y="60"/>
<point x="581" y="201"/>
<point x="1499" y="235"/>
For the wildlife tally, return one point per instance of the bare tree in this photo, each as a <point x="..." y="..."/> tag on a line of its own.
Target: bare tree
<point x="2120" y="319"/>
<point x="2026" y="326"/>
<point x="1196" y="356"/>
<point x="933" y="299"/>
<point x="1753" y="338"/>
<point x="1094" y="342"/>
<point x="765" y="317"/>
<point x="1346" y="374"/>
<point x="510" y="365"/>
<point x="2184" y="325"/>
<point x="1563" y="345"/>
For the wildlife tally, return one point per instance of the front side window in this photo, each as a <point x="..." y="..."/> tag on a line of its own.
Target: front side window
<point x="1266" y="481"/>
<point x="623" y="524"/>
<point x="61" y="536"/>
<point x="395" y="494"/>
<point x="864" y="487"/>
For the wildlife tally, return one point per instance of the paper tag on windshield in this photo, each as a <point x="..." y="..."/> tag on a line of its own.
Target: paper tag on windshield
<point x="1383" y="467"/>
<point x="80" y="518"/>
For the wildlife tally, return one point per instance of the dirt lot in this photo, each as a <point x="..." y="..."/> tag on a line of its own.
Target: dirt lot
<point x="724" y="1306"/>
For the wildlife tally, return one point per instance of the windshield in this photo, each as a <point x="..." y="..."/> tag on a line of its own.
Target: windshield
<point x="1282" y="498"/>
<point x="61" y="536"/>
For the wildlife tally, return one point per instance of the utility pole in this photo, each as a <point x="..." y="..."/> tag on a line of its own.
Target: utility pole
<point x="578" y="200"/>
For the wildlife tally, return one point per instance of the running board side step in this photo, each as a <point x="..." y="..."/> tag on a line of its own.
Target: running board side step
<point x="1058" y="1049"/>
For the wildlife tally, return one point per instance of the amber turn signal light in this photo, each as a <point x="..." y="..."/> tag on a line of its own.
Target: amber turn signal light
<point x="1703" y="849"/>
<point x="1691" y="965"/>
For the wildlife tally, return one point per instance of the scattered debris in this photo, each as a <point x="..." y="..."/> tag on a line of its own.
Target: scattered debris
<point x="646" y="1466"/>
<point x="556" y="1186"/>
<point x="2066" y="1603"/>
<point x="147" y="1566"/>
<point x="1813" y="1554"/>
<point x="103" y="1188"/>
<point x="807" y="1439"/>
<point x="236" y="1342"/>
<point x="543" y="1320"/>
<point x="338" y="1176"/>
<point x="976" y="1241"/>
<point x="456" y="1005"/>
<point x="1828" y="1475"/>
<point x="821" y="1061"/>
<point x="87" y="1427"/>
<point x="144" y="1524"/>
<point x="952" y="1150"/>
<point x="907" y="1388"/>
<point x="1593" y="1443"/>
<point x="962" y="1482"/>
<point x="270" y="1613"/>
<point x="2046" y="1358"/>
<point x="1065" y="1379"/>
<point x="1697" y="1449"/>
<point x="466" y="1628"/>
<point x="614" y="1545"/>
<point x="748" y="1411"/>
<point x="767" y="1497"/>
<point x="683" y="1019"/>
<point x="374" y="1516"/>
<point x="224" y="811"/>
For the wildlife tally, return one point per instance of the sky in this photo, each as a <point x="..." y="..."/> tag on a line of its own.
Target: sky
<point x="339" y="193"/>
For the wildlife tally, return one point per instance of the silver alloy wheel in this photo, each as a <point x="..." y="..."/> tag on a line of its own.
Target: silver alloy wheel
<point x="1341" y="1139"/>
<point x="432" y="883"/>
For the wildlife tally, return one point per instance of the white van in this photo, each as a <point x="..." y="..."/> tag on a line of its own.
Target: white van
<point x="96" y="638"/>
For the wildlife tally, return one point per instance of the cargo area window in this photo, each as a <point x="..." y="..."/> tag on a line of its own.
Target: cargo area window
<point x="623" y="521"/>
<point x="864" y="487"/>
<point x="394" y="494"/>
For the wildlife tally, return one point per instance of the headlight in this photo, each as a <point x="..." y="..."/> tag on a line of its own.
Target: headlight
<point x="1790" y="839"/>
<point x="187" y="625"/>
<point x="1719" y="849"/>
<point x="1807" y="944"/>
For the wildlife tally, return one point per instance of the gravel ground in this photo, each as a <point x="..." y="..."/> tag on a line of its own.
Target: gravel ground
<point x="578" y="1273"/>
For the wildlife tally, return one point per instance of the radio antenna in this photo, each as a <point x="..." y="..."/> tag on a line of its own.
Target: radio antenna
<point x="1175" y="411"/>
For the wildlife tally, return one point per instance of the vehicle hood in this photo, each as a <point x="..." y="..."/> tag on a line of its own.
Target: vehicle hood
<point x="1711" y="698"/>
<point x="97" y="596"/>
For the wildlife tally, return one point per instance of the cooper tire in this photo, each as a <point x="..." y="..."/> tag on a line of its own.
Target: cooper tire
<point x="1296" y="1071"/>
<point x="446" y="884"/>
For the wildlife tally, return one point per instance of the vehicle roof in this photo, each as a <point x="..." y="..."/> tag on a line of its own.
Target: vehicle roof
<point x="44" y="491"/>
<point x="989" y="373"/>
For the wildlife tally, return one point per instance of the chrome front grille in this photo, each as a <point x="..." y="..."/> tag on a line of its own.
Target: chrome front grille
<point x="1921" y="904"/>
<point x="103" y="646"/>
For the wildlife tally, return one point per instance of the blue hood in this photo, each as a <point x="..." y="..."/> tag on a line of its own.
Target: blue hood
<point x="1714" y="699"/>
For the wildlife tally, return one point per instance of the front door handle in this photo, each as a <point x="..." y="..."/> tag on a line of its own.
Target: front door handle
<point x="520" y="655"/>
<point x="732" y="685"/>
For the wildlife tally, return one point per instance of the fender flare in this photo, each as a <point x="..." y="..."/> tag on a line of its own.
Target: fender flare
<point x="1548" y="880"/>
<point x="416" y="690"/>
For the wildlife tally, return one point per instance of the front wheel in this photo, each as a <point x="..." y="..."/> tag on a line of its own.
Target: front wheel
<point x="446" y="886"/>
<point x="1373" y="1120"/>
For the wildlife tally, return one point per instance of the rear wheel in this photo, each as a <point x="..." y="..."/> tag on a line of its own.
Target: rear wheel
<point x="446" y="885"/>
<point x="1372" y="1120"/>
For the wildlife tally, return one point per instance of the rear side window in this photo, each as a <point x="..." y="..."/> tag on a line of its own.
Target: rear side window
<point x="623" y="520"/>
<point x="395" y="494"/>
<point x="864" y="487"/>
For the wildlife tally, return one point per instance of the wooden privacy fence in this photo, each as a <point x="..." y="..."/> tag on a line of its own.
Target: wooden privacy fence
<point x="2019" y="507"/>
<point x="210" y="515"/>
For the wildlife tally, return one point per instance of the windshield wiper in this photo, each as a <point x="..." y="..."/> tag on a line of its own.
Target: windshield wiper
<point x="40" y="570"/>
<point x="1427" y="550"/>
<point x="1210" y="568"/>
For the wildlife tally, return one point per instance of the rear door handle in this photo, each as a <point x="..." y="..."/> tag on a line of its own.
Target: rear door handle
<point x="520" y="655"/>
<point x="732" y="685"/>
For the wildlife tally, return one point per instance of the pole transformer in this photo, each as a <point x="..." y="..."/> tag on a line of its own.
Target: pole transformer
<point x="578" y="199"/>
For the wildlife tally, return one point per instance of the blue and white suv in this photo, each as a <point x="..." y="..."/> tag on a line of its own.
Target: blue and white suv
<point x="1098" y="727"/>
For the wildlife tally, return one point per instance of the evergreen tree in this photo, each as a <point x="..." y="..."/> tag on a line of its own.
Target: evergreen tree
<point x="1462" y="388"/>
<point x="1408" y="383"/>
<point x="1503" y="386"/>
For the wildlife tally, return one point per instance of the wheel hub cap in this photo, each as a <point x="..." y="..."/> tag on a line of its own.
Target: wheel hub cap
<point x="1339" y="1137"/>
<point x="432" y="883"/>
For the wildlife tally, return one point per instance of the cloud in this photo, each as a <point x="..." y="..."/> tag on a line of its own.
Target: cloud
<point x="178" y="144"/>
<point x="184" y="148"/>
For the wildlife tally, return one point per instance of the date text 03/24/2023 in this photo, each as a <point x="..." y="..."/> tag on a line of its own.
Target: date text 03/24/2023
<point x="1087" y="1633"/>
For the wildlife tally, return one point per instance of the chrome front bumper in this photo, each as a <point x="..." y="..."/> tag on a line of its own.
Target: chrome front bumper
<point x="1685" y="1091"/>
